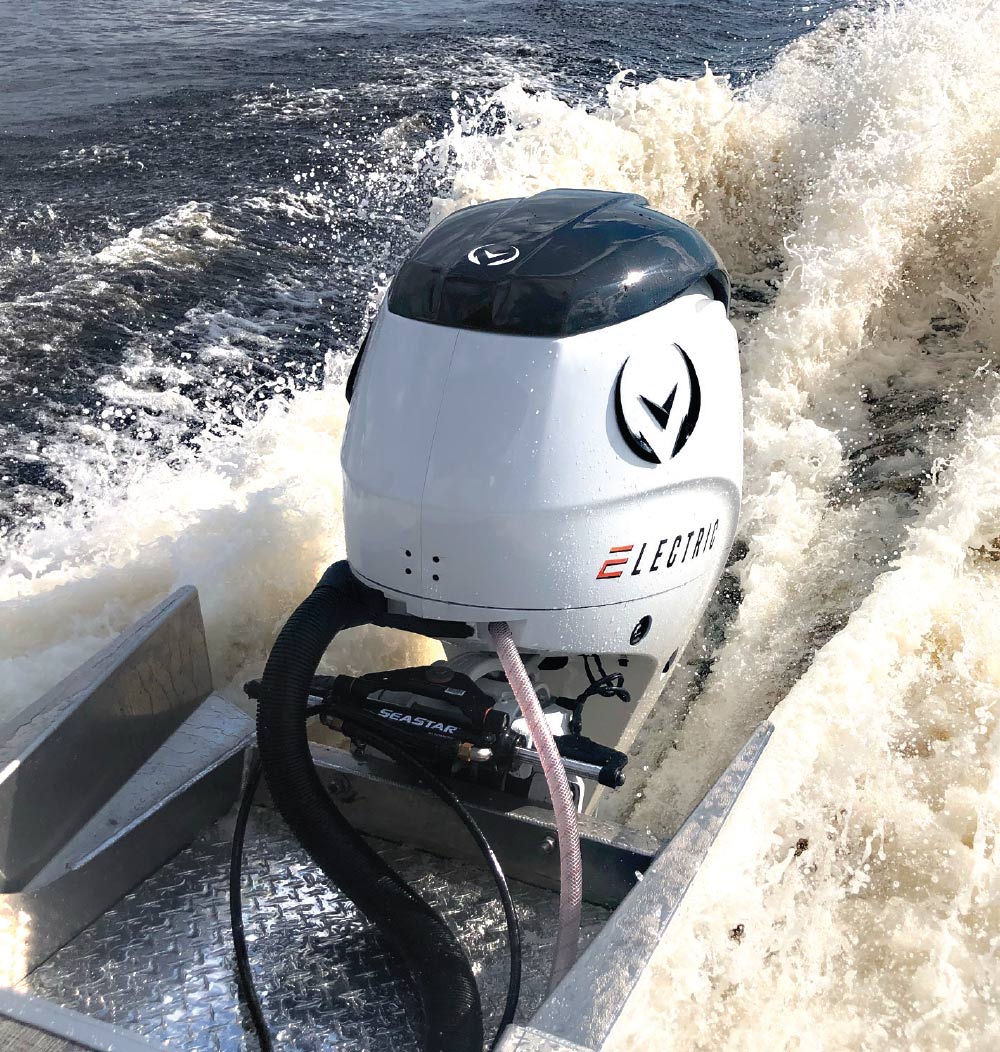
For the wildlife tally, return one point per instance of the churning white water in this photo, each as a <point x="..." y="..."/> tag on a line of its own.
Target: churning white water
<point x="251" y="519"/>
<point x="853" y="900"/>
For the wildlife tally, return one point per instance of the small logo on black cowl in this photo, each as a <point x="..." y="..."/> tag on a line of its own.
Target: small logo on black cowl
<point x="657" y="402"/>
<point x="493" y="255"/>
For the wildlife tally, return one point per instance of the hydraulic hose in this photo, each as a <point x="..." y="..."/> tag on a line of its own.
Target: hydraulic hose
<point x="441" y="973"/>
<point x="563" y="806"/>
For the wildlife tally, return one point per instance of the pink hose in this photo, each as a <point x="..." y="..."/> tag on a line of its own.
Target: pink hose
<point x="570" y="863"/>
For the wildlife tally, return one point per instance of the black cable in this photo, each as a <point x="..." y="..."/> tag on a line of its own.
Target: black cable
<point x="394" y="752"/>
<point x="244" y="976"/>
<point x="610" y="685"/>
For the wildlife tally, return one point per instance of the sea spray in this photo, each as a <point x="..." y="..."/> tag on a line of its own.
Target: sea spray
<point x="251" y="517"/>
<point x="853" y="190"/>
<point x="860" y="867"/>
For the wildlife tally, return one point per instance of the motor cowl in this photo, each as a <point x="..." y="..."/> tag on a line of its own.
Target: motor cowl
<point x="578" y="475"/>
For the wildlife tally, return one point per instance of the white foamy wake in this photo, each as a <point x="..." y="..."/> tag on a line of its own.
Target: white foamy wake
<point x="251" y="519"/>
<point x="854" y="362"/>
<point x="853" y="901"/>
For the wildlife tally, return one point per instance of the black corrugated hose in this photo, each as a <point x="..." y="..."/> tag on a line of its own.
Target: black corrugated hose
<point x="244" y="974"/>
<point x="440" y="970"/>
<point x="431" y="780"/>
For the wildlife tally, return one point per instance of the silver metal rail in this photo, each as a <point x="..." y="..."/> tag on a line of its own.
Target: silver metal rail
<point x="581" y="1011"/>
<point x="584" y="770"/>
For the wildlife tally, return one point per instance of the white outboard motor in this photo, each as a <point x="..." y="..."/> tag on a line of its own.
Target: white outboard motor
<point x="542" y="468"/>
<point x="546" y="429"/>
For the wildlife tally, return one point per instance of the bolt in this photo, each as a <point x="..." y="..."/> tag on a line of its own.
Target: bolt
<point x="548" y="845"/>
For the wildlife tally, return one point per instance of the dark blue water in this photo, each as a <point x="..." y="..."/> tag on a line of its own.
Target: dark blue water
<point x="164" y="268"/>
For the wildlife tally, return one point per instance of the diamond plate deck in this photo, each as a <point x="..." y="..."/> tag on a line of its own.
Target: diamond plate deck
<point x="160" y="962"/>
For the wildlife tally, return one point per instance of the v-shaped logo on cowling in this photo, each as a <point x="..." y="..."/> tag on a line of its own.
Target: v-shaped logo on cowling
<point x="631" y="419"/>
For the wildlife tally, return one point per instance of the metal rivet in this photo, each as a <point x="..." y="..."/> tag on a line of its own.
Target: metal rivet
<point x="548" y="845"/>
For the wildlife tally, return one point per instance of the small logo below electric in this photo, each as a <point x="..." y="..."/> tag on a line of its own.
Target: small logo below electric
<point x="493" y="255"/>
<point x="668" y="552"/>
<point x="657" y="402"/>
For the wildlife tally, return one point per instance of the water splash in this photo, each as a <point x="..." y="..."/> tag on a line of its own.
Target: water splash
<point x="251" y="516"/>
<point x="854" y="191"/>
